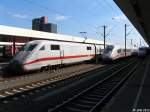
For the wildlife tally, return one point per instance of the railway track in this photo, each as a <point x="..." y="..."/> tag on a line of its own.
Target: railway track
<point x="94" y="98"/>
<point x="46" y="97"/>
<point x="33" y="85"/>
<point x="33" y="80"/>
<point x="17" y="84"/>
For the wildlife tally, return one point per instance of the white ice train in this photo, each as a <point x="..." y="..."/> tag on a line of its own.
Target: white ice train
<point x="142" y="51"/>
<point x="113" y="52"/>
<point x="43" y="54"/>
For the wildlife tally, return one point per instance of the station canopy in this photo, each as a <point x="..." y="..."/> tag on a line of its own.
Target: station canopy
<point x="8" y="34"/>
<point x="138" y="13"/>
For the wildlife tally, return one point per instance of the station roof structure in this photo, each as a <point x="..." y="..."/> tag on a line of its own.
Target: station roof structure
<point x="137" y="12"/>
<point x="10" y="43"/>
<point x="7" y="32"/>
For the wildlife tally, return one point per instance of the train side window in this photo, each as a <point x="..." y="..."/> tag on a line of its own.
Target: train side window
<point x="55" y="47"/>
<point x="89" y="48"/>
<point x="42" y="48"/>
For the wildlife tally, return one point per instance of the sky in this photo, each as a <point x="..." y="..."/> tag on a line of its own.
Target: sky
<point x="72" y="17"/>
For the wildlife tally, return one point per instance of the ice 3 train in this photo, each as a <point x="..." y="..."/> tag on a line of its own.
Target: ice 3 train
<point x="44" y="54"/>
<point x="113" y="52"/>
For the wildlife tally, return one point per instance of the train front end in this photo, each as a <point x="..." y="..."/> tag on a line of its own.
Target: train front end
<point x="16" y="64"/>
<point x="107" y="54"/>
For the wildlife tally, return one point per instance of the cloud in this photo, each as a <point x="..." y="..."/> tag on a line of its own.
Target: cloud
<point x="19" y="16"/>
<point x="14" y="15"/>
<point x="61" y="17"/>
<point x="120" y="17"/>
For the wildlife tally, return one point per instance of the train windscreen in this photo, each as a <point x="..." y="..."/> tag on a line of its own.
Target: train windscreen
<point x="28" y="47"/>
<point x="109" y="48"/>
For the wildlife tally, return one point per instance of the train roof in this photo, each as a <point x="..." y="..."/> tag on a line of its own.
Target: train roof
<point x="21" y="32"/>
<point x="122" y="46"/>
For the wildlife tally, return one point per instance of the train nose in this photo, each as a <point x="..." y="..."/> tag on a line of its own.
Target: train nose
<point x="15" y="66"/>
<point x="106" y="57"/>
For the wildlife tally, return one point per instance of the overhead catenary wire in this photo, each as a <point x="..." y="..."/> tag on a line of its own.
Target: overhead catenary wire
<point x="108" y="13"/>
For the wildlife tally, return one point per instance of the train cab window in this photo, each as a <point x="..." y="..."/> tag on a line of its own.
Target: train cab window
<point x="29" y="47"/>
<point x="42" y="48"/>
<point x="89" y="48"/>
<point x="109" y="48"/>
<point x="55" y="47"/>
<point x="119" y="50"/>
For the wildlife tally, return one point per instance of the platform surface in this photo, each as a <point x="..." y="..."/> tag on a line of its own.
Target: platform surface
<point x="134" y="96"/>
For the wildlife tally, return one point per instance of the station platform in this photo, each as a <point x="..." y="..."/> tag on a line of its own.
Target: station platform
<point x="134" y="96"/>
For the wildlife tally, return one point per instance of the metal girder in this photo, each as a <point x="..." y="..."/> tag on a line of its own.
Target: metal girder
<point x="137" y="12"/>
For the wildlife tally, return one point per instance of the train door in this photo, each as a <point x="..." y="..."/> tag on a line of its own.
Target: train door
<point x="62" y="54"/>
<point x="67" y="53"/>
<point x="56" y="54"/>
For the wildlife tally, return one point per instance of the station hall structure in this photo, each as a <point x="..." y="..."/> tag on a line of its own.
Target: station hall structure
<point x="137" y="12"/>
<point x="16" y="37"/>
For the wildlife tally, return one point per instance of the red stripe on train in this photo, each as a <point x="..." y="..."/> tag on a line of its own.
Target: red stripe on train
<point x="56" y="58"/>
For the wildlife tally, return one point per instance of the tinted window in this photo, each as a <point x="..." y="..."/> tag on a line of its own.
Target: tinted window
<point x="42" y="48"/>
<point x="142" y="49"/>
<point x="89" y="48"/>
<point x="109" y="48"/>
<point x="29" y="47"/>
<point x="55" y="47"/>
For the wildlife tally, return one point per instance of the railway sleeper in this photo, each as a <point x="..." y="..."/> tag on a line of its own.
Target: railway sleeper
<point x="71" y="109"/>
<point x="104" y="88"/>
<point x="86" y="102"/>
<point x="83" y="106"/>
<point x="90" y="98"/>
<point x="111" y="82"/>
<point x="95" y="95"/>
<point x="99" y="91"/>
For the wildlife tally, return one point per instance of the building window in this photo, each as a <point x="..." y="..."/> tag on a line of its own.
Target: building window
<point x="55" y="47"/>
<point x="89" y="48"/>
